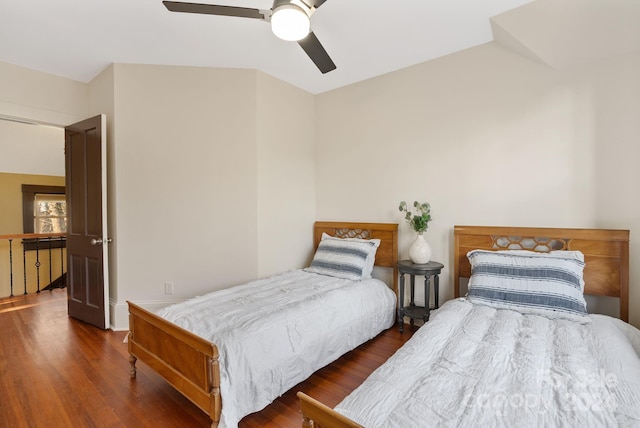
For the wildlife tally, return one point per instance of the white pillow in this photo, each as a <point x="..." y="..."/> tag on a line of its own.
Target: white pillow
<point x="349" y="258"/>
<point x="547" y="284"/>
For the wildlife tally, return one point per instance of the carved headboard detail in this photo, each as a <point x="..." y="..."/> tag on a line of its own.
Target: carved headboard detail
<point x="540" y="245"/>
<point x="606" y="254"/>
<point x="353" y="233"/>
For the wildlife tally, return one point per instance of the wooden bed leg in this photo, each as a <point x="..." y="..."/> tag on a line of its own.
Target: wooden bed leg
<point x="132" y="361"/>
<point x="307" y="423"/>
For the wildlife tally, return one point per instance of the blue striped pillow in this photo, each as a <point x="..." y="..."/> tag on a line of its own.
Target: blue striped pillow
<point x="547" y="284"/>
<point x="349" y="258"/>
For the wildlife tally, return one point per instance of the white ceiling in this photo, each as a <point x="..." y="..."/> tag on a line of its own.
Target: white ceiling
<point x="77" y="39"/>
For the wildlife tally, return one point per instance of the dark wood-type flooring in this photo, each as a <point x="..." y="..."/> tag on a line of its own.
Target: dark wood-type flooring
<point x="56" y="371"/>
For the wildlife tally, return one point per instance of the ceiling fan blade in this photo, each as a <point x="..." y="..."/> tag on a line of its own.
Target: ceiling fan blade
<point x="318" y="3"/>
<point x="212" y="9"/>
<point x="316" y="52"/>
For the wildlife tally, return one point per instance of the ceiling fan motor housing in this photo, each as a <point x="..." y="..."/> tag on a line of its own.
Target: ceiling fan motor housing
<point x="290" y="19"/>
<point x="298" y="3"/>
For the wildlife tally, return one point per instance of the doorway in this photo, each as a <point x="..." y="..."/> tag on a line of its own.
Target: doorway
<point x="33" y="155"/>
<point x="74" y="156"/>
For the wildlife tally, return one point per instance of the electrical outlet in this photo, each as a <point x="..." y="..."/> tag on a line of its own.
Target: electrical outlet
<point x="168" y="287"/>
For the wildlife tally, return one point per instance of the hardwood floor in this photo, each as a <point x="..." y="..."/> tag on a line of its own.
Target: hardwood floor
<point x="56" y="371"/>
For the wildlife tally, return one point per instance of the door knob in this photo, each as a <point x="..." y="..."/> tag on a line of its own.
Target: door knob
<point x="100" y="241"/>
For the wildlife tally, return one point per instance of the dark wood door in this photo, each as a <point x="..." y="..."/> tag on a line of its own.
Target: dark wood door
<point x="87" y="253"/>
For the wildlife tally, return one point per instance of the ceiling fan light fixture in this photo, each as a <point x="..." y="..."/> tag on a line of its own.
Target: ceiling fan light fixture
<point x="290" y="22"/>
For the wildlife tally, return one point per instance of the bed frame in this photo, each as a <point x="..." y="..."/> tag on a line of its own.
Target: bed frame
<point x="606" y="254"/>
<point x="190" y="363"/>
<point x="606" y="273"/>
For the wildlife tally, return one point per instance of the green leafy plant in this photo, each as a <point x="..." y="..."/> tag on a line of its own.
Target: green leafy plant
<point x="420" y="220"/>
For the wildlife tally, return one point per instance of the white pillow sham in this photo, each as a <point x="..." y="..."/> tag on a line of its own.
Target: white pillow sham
<point x="547" y="284"/>
<point x="350" y="258"/>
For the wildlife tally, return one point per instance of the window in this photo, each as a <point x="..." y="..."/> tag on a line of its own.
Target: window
<point x="44" y="210"/>
<point x="50" y="213"/>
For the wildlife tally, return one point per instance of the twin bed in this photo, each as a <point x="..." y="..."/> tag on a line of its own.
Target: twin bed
<point x="234" y="351"/>
<point x="519" y="350"/>
<point x="498" y="357"/>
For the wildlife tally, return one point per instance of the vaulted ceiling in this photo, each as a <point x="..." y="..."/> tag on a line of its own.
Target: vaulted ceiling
<point x="568" y="33"/>
<point x="77" y="39"/>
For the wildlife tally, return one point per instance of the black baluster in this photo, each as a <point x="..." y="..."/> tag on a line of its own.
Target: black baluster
<point x="24" y="265"/>
<point x="50" y="264"/>
<point x="11" y="266"/>
<point x="62" y="247"/>
<point x="38" y="264"/>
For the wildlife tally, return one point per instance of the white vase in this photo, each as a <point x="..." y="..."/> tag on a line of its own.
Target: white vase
<point x="420" y="250"/>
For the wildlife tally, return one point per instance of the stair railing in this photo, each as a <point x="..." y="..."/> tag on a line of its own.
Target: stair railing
<point x="33" y="244"/>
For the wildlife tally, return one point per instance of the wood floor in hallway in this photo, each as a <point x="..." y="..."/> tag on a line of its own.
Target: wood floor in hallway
<point x="56" y="371"/>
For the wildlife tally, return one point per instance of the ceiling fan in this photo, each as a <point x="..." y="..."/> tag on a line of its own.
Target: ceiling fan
<point x="289" y="21"/>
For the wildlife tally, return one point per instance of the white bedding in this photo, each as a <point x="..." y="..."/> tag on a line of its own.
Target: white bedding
<point x="273" y="333"/>
<point x="475" y="366"/>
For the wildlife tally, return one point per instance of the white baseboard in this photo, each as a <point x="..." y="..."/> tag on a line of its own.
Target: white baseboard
<point x="119" y="311"/>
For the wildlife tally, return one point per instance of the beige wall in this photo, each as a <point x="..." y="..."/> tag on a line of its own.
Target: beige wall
<point x="286" y="175"/>
<point x="11" y="224"/>
<point x="41" y="97"/>
<point x="488" y="138"/>
<point x="199" y="175"/>
<point x="31" y="149"/>
<point x="185" y="167"/>
<point x="614" y="89"/>
<point x="202" y="167"/>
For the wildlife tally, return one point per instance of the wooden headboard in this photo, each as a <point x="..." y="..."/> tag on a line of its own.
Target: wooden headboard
<point x="387" y="233"/>
<point x="606" y="254"/>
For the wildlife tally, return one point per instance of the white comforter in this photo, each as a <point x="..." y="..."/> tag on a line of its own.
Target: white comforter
<point x="273" y="333"/>
<point x="474" y="366"/>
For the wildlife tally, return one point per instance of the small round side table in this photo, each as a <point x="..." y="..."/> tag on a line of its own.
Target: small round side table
<point x="428" y="270"/>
